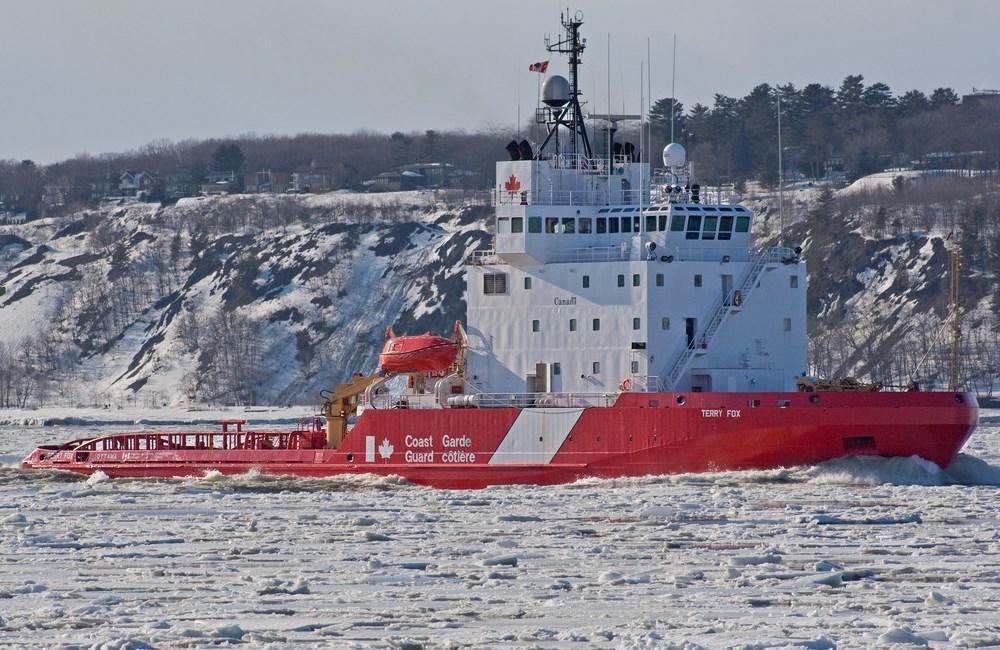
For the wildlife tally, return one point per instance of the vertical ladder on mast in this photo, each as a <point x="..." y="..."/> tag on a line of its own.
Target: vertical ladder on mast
<point x="722" y="310"/>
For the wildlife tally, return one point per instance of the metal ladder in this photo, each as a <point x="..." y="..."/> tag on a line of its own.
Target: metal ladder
<point x="722" y="308"/>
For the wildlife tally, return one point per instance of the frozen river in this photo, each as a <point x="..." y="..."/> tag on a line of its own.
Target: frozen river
<point x="853" y="553"/>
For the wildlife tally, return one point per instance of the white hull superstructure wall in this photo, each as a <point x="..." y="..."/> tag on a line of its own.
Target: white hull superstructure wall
<point x="594" y="338"/>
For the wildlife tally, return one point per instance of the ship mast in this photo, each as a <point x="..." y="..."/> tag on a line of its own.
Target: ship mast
<point x="954" y="276"/>
<point x="573" y="45"/>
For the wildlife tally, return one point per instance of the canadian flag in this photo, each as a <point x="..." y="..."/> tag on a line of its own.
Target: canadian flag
<point x="541" y="66"/>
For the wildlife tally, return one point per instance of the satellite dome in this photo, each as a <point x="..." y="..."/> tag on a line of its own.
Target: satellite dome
<point x="555" y="91"/>
<point x="674" y="155"/>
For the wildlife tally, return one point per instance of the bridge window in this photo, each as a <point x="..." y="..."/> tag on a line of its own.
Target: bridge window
<point x="626" y="224"/>
<point x="527" y="284"/>
<point x="551" y="225"/>
<point x="586" y="226"/>
<point x="659" y="279"/>
<point x="596" y="325"/>
<point x="494" y="283"/>
<point x="663" y="223"/>
<point x="503" y="226"/>
<point x="595" y="368"/>
<point x="517" y="225"/>
<point x="694" y="226"/>
<point x="636" y="279"/>
<point x="612" y="225"/>
<point x="708" y="231"/>
<point x="635" y="223"/>
<point x="536" y="326"/>
<point x="621" y="280"/>
<point x="726" y="227"/>
<point x="535" y="224"/>
<point x="602" y="225"/>
<point x="572" y="324"/>
<point x="650" y="223"/>
<point x="586" y="282"/>
<point x="569" y="225"/>
<point x="742" y="224"/>
<point x="677" y="223"/>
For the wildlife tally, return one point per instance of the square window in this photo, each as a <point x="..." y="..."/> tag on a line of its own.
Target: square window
<point x="635" y="280"/>
<point x="697" y="279"/>
<point x="650" y="223"/>
<point x="787" y="324"/>
<point x="602" y="225"/>
<point x="636" y="323"/>
<point x="568" y="225"/>
<point x="551" y="225"/>
<point x="527" y="283"/>
<point x="742" y="224"/>
<point x="586" y="226"/>
<point x="665" y="323"/>
<point x="534" y="224"/>
<point x="677" y="223"/>
<point x="503" y="226"/>
<point x="572" y="324"/>
<point x="793" y="282"/>
<point x="556" y="368"/>
<point x="612" y="225"/>
<point x="517" y="224"/>
<point x="586" y="282"/>
<point x="595" y="368"/>
<point x="621" y="280"/>
<point x="494" y="283"/>
<point x="597" y="324"/>
<point x="535" y="326"/>
<point x="659" y="279"/>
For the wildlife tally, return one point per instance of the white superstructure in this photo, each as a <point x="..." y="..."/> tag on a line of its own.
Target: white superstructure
<point x="601" y="281"/>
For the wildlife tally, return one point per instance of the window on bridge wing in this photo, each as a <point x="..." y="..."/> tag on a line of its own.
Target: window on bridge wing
<point x="585" y="226"/>
<point x="602" y="225"/>
<point x="503" y="226"/>
<point x="709" y="226"/>
<point x="612" y="225"/>
<point x="742" y="224"/>
<point x="517" y="224"/>
<point x="677" y="223"/>
<point x="694" y="226"/>
<point x="626" y="224"/>
<point x="726" y="227"/>
<point x="568" y="225"/>
<point x="551" y="225"/>
<point x="534" y="224"/>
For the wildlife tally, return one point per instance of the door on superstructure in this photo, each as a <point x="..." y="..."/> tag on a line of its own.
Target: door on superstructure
<point x="638" y="367"/>
<point x="727" y="288"/>
<point x="690" y="329"/>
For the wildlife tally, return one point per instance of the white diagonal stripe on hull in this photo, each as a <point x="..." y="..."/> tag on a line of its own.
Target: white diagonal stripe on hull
<point x="535" y="436"/>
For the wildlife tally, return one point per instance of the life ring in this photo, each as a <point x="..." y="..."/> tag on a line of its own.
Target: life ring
<point x="626" y="385"/>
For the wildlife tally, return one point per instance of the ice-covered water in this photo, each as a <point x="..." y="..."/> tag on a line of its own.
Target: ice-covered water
<point x="853" y="553"/>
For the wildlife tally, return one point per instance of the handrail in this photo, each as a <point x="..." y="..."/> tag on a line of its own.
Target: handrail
<point x="493" y="400"/>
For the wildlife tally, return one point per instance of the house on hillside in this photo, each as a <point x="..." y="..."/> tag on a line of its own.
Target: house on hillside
<point x="178" y="184"/>
<point x="56" y="195"/>
<point x="137" y="185"/>
<point x="13" y="218"/>
<point x="266" y="181"/>
<point x="982" y="97"/>
<point x="222" y="182"/>
<point x="433" y="175"/>
<point x="311" y="179"/>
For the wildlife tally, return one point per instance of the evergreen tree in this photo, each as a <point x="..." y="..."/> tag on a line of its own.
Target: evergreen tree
<point x="228" y="157"/>
<point x="659" y="118"/>
<point x="943" y="97"/>
<point x="912" y="102"/>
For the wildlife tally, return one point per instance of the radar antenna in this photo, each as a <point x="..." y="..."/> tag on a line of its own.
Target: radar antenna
<point x="573" y="45"/>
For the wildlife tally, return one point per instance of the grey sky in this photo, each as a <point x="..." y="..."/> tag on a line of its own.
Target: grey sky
<point x="114" y="74"/>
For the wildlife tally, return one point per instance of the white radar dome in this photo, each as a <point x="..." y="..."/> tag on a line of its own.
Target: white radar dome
<point x="555" y="91"/>
<point x="674" y="155"/>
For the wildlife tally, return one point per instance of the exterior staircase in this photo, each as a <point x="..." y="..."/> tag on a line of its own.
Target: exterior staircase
<point x="722" y="309"/>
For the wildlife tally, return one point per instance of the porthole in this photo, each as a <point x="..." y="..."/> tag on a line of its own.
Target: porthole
<point x="350" y="458"/>
<point x="814" y="398"/>
<point x="958" y="398"/>
<point x="680" y="400"/>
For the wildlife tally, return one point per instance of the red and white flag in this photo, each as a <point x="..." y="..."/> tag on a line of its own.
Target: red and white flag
<point x="541" y="66"/>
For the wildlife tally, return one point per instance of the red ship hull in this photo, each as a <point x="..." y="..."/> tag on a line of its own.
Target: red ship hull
<point x="641" y="434"/>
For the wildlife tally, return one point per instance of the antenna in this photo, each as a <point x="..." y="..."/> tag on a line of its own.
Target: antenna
<point x="573" y="45"/>
<point x="781" y="177"/>
<point x="673" y="92"/>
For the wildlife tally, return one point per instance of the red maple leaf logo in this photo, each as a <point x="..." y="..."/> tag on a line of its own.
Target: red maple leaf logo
<point x="512" y="184"/>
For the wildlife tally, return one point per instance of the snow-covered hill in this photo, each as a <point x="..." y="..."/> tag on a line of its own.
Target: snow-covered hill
<point x="230" y="299"/>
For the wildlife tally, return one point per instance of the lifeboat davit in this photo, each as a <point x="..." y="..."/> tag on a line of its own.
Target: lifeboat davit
<point x="422" y="353"/>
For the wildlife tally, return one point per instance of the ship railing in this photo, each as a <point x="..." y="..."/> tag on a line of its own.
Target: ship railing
<point x="569" y="197"/>
<point x="622" y="252"/>
<point x="705" y="253"/>
<point x="484" y="257"/>
<point x="646" y="384"/>
<point x="493" y="400"/>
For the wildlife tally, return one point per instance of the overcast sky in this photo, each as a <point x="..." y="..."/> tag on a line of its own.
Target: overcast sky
<point x="111" y="75"/>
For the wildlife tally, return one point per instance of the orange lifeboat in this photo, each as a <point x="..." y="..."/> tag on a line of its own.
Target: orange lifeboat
<point x="422" y="353"/>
